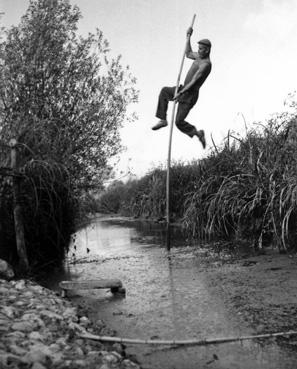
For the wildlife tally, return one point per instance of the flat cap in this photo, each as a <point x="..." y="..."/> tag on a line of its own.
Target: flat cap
<point x="205" y="42"/>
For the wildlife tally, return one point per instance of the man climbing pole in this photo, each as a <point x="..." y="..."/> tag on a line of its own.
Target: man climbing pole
<point x="187" y="94"/>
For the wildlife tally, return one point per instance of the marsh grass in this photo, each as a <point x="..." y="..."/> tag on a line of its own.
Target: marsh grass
<point x="48" y="212"/>
<point x="246" y="189"/>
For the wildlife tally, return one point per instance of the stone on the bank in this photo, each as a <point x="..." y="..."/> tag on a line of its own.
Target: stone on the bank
<point x="84" y="321"/>
<point x="51" y="315"/>
<point x="4" y="290"/>
<point x="22" y="326"/>
<point x="127" y="364"/>
<point x="69" y="312"/>
<point x="35" y="336"/>
<point x="9" y="311"/>
<point x="10" y="359"/>
<point x="33" y="319"/>
<point x="20" y="285"/>
<point x="37" y="288"/>
<point x="6" y="270"/>
<point x="118" y="347"/>
<point x="38" y="353"/>
<point x="38" y="365"/>
<point x="111" y="358"/>
<point x="17" y="350"/>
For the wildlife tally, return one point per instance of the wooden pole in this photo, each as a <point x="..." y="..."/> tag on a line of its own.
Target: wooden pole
<point x="189" y="342"/>
<point x="17" y="212"/>
<point x="170" y="145"/>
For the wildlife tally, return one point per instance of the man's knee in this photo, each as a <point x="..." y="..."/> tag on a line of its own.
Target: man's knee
<point x="180" y="123"/>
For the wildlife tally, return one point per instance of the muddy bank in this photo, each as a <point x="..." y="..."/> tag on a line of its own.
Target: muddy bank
<point x="260" y="289"/>
<point x="40" y="330"/>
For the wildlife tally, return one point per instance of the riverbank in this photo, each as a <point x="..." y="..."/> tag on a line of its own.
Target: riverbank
<point x="40" y="330"/>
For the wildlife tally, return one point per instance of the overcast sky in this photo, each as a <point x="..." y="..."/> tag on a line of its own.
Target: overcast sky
<point x="254" y="58"/>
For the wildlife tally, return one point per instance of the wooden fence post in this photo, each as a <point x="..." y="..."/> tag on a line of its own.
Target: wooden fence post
<point x="17" y="211"/>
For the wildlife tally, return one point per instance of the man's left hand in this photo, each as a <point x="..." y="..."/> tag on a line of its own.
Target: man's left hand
<point x="177" y="96"/>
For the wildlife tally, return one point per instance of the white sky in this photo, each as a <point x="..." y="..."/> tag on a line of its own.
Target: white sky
<point x="254" y="58"/>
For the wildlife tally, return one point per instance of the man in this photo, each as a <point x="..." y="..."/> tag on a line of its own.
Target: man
<point x="187" y="94"/>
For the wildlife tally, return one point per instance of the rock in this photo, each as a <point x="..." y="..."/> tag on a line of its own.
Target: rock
<point x="112" y="358"/>
<point x="38" y="353"/>
<point x="127" y="364"/>
<point x="27" y="294"/>
<point x="119" y="348"/>
<point x="79" y="351"/>
<point x="38" y="365"/>
<point x="35" y="336"/>
<point x="61" y="341"/>
<point x="70" y="313"/>
<point x="104" y="366"/>
<point x="39" y="330"/>
<point x="4" y="290"/>
<point x="33" y="319"/>
<point x="16" y="335"/>
<point x="12" y="298"/>
<point x="20" y="285"/>
<point x="36" y="288"/>
<point x="54" y="347"/>
<point x="8" y="360"/>
<point x="17" y="350"/>
<point x="84" y="321"/>
<point x="9" y="311"/>
<point x="3" y="328"/>
<point x="81" y="363"/>
<point x="20" y="303"/>
<point x="22" y="326"/>
<point x="51" y="315"/>
<point x="6" y="270"/>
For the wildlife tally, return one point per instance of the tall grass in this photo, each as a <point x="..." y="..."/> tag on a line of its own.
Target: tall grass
<point x="246" y="189"/>
<point x="48" y="212"/>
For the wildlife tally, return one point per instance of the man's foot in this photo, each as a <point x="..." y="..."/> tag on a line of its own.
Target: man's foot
<point x="200" y="134"/>
<point x="162" y="123"/>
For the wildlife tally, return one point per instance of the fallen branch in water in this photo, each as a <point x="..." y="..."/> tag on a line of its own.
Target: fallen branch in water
<point x="203" y="342"/>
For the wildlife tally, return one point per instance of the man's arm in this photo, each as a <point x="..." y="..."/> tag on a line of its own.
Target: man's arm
<point x="201" y="75"/>
<point x="189" y="53"/>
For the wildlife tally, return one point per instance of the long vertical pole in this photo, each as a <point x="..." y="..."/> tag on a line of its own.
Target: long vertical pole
<point x="170" y="144"/>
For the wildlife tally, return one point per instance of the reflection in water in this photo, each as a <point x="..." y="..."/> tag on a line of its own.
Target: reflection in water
<point x="167" y="298"/>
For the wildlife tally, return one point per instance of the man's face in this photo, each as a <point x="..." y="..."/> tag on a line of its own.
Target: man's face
<point x="202" y="51"/>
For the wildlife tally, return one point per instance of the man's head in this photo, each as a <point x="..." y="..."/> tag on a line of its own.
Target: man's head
<point x="204" y="47"/>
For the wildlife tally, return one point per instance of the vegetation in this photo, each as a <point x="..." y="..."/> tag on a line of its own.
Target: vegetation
<point x="246" y="189"/>
<point x="63" y="98"/>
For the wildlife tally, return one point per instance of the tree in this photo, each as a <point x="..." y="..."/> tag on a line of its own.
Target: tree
<point x="61" y="95"/>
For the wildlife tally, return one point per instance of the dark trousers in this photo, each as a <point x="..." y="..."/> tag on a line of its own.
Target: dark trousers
<point x="185" y="104"/>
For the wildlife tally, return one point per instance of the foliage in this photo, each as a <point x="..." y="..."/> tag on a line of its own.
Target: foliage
<point x="64" y="99"/>
<point x="62" y="95"/>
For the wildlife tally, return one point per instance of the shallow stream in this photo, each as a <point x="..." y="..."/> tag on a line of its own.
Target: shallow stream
<point x="167" y="298"/>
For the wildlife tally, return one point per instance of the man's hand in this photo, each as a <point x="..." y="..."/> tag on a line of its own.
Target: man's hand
<point x="189" y="32"/>
<point x="177" y="96"/>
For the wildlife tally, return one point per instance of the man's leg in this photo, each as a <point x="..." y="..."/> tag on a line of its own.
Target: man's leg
<point x="187" y="128"/>
<point x="166" y="95"/>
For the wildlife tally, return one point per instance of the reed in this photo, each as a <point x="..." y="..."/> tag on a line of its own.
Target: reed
<point x="246" y="189"/>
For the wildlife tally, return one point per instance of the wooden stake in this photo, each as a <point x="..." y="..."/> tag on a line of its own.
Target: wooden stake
<point x="17" y="212"/>
<point x="169" y="147"/>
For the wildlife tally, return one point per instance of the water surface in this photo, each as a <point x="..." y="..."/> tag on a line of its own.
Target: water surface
<point x="167" y="298"/>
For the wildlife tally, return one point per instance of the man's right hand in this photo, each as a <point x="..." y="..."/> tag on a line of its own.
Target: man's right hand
<point x="189" y="31"/>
